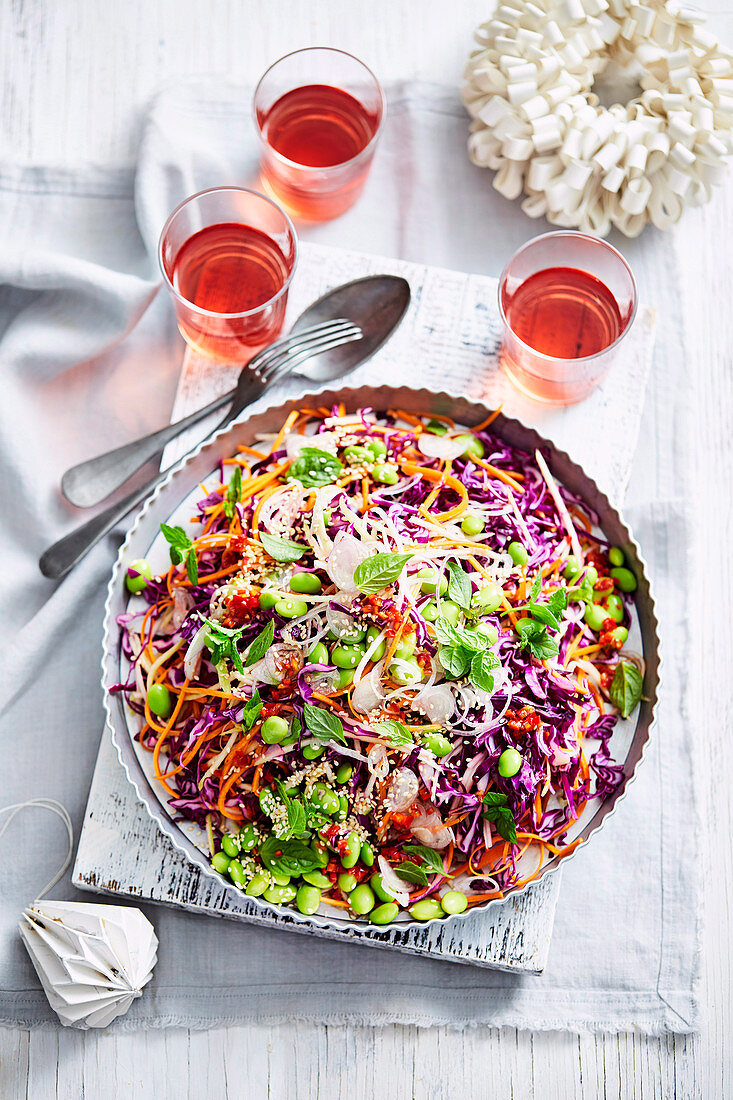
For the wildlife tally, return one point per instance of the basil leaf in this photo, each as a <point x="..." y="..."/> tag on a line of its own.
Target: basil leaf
<point x="297" y="821"/>
<point x="626" y="688"/>
<point x="410" y="872"/>
<point x="282" y="549"/>
<point x="252" y="710"/>
<point x="176" y="537"/>
<point x="261" y="644"/>
<point x="482" y="667"/>
<point x="323" y="724"/>
<point x="454" y="660"/>
<point x="377" y="572"/>
<point x="536" y="588"/>
<point x="192" y="566"/>
<point x="495" y="798"/>
<point x="314" y="467"/>
<point x="505" y="825"/>
<point x="558" y="601"/>
<point x="292" y="857"/>
<point x="429" y="856"/>
<point x="234" y="492"/>
<point x="541" y="613"/>
<point x="395" y="732"/>
<point x="460" y="589"/>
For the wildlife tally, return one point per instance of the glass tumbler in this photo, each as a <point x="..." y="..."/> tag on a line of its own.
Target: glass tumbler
<point x="319" y="114"/>
<point x="566" y="300"/>
<point x="227" y="256"/>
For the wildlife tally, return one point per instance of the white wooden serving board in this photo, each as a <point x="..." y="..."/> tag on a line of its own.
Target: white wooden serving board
<point x="452" y="332"/>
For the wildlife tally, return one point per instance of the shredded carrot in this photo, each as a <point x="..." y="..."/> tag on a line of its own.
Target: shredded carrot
<point x="290" y="420"/>
<point x="485" y="423"/>
<point x="450" y="482"/>
<point x="500" y="475"/>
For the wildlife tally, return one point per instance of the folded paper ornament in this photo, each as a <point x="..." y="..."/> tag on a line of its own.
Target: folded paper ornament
<point x="538" y="124"/>
<point x="92" y="960"/>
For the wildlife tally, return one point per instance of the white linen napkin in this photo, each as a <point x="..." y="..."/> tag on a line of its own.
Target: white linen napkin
<point x="77" y="274"/>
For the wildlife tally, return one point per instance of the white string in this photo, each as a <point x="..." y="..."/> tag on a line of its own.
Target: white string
<point x="55" y="808"/>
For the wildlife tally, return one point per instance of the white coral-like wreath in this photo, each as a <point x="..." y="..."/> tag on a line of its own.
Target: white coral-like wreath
<point x="538" y="124"/>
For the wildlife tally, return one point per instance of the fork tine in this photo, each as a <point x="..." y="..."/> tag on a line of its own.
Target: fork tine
<point x="310" y="345"/>
<point x="293" y="360"/>
<point x="323" y="328"/>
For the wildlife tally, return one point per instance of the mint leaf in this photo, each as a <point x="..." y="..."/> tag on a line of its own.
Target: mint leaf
<point x="454" y="660"/>
<point x="446" y="633"/>
<point x="482" y="667"/>
<point x="291" y="857"/>
<point x="314" y="467"/>
<point x="192" y="566"/>
<point x="534" y="637"/>
<point x="324" y="725"/>
<point x="395" y="732"/>
<point x="282" y="549"/>
<point x="495" y="798"/>
<point x="459" y="585"/>
<point x="234" y="492"/>
<point x="377" y="572"/>
<point x="261" y="644"/>
<point x="626" y="688"/>
<point x="297" y="821"/>
<point x="498" y="812"/>
<point x="222" y="641"/>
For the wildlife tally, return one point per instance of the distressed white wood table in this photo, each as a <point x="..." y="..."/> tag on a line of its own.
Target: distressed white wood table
<point x="75" y="76"/>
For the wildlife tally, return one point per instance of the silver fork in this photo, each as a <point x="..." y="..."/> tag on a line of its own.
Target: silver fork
<point x="92" y="481"/>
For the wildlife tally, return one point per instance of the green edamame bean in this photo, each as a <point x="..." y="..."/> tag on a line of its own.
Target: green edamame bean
<point x="280" y="878"/>
<point x="318" y="655"/>
<point x="361" y="899"/>
<point x="430" y="611"/>
<point x="572" y="568"/>
<point x="517" y="553"/>
<point x="510" y="762"/>
<point x="344" y="773"/>
<point x="236" y="873"/>
<point x="489" y="631"/>
<point x="376" y="884"/>
<point x="136" y="584"/>
<point x="431" y="583"/>
<point x="160" y="700"/>
<point x="620" y="634"/>
<point x="474" y="448"/>
<point x="325" y="799"/>
<point x="345" y="676"/>
<point x="616" y="556"/>
<point x="220" y="862"/>
<point x="471" y="525"/>
<point x="591" y="575"/>
<point x="595" y="616"/>
<point x="358" y="455"/>
<point x="354" y="636"/>
<point x="307" y="899"/>
<point x="248" y="838"/>
<point x="427" y="909"/>
<point x="615" y="607"/>
<point x="291" y="609"/>
<point x="349" y="853"/>
<point x="454" y="901"/>
<point x="305" y="582"/>
<point x="367" y="854"/>
<point x="346" y="882"/>
<point x="405" y="672"/>
<point x="372" y="634"/>
<point x="312" y="752"/>
<point x="316" y="878"/>
<point x="450" y="611"/>
<point x="274" y="729"/>
<point x="320" y="851"/>
<point x="257" y="885"/>
<point x="384" y="914"/>
<point x="378" y="447"/>
<point x="488" y="599"/>
<point x="625" y="579"/>
<point x="280" y="895"/>
<point x="267" y="600"/>
<point x="346" y="656"/>
<point x="230" y="845"/>
<point x="406" y="647"/>
<point x="385" y="473"/>
<point x="438" y="743"/>
<point x="343" y="810"/>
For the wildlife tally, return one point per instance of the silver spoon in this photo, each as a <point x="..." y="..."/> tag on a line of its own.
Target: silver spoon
<point x="375" y="304"/>
<point x="376" y="299"/>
